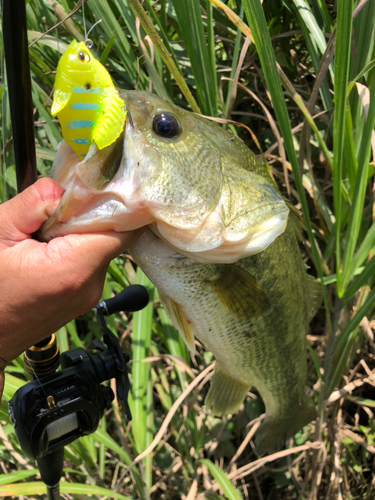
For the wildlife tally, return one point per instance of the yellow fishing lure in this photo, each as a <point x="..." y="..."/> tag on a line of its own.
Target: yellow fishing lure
<point x="85" y="101"/>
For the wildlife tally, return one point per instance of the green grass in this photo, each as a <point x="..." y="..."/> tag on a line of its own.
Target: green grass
<point x="312" y="65"/>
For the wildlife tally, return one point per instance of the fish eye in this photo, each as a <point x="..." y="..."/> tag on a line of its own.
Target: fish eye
<point x="84" y="56"/>
<point x="166" y="125"/>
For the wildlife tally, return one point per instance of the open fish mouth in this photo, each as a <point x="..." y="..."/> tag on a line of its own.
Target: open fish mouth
<point x="92" y="200"/>
<point x="192" y="193"/>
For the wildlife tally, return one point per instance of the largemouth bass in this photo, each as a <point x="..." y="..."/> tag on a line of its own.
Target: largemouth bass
<point x="220" y="249"/>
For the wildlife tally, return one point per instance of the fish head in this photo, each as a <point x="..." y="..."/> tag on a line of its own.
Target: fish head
<point x="197" y="186"/>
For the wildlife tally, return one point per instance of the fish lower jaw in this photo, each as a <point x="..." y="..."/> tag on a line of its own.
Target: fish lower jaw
<point x="228" y="251"/>
<point x="266" y="233"/>
<point x="111" y="215"/>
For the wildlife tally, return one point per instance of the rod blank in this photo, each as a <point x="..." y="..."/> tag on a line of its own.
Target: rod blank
<point x="19" y="88"/>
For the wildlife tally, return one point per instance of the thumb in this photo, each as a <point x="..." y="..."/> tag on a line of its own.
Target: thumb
<point x="25" y="213"/>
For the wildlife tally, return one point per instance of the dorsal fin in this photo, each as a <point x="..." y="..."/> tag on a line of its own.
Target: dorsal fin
<point x="295" y="218"/>
<point x="239" y="292"/>
<point x="314" y="295"/>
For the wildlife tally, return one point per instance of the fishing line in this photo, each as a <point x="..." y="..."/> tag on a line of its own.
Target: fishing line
<point x="84" y="19"/>
<point x="89" y="43"/>
<point x="35" y="375"/>
<point x="92" y="27"/>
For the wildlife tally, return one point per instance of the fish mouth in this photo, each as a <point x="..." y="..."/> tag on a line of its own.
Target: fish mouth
<point x="106" y="214"/>
<point x="89" y="204"/>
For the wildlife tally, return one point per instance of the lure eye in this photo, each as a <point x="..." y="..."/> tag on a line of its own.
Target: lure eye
<point x="166" y="125"/>
<point x="84" y="57"/>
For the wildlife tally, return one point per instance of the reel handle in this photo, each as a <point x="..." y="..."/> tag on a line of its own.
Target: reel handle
<point x="133" y="298"/>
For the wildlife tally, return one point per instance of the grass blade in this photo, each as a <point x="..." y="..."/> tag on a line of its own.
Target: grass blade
<point x="309" y="19"/>
<point x="343" y="40"/>
<point x="102" y="436"/>
<point x="140" y="401"/>
<point x="356" y="212"/>
<point x="236" y="20"/>
<point x="18" y="475"/>
<point x="230" y="492"/>
<point x="315" y="44"/>
<point x="361" y="312"/>
<point x="39" y="488"/>
<point x="366" y="274"/>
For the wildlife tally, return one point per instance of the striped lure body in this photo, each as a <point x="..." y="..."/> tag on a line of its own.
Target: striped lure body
<point x="85" y="101"/>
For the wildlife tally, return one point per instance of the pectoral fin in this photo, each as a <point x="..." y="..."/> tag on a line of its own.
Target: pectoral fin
<point x="180" y="321"/>
<point x="60" y="100"/>
<point x="111" y="122"/>
<point x="239" y="292"/>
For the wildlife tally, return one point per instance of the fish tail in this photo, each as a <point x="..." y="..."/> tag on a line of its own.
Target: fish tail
<point x="225" y="394"/>
<point x="274" y="431"/>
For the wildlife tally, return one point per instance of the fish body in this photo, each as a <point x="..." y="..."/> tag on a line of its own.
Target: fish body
<point x="253" y="316"/>
<point x="85" y="101"/>
<point x="220" y="248"/>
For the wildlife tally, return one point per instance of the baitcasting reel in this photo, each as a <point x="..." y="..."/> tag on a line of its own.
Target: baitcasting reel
<point x="53" y="411"/>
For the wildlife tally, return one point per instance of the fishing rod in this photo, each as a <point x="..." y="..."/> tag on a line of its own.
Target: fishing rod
<point x="57" y="407"/>
<point x="19" y="88"/>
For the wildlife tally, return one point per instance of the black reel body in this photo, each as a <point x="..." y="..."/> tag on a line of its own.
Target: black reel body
<point x="56" y="409"/>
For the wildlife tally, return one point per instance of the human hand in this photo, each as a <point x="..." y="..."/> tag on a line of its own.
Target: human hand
<point x="45" y="285"/>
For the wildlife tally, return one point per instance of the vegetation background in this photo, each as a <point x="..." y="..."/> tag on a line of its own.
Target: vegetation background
<point x="299" y="77"/>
